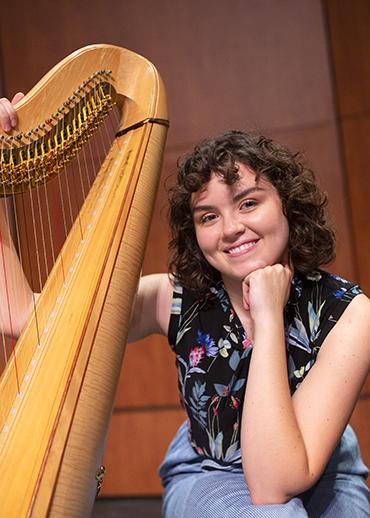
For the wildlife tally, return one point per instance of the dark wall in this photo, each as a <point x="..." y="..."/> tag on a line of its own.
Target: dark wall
<point x="243" y="64"/>
<point x="349" y="40"/>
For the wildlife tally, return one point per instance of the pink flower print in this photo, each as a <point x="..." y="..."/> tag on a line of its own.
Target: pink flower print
<point x="235" y="402"/>
<point x="196" y="354"/>
<point x="247" y="342"/>
<point x="215" y="411"/>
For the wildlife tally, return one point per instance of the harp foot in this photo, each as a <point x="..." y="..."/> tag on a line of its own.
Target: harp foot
<point x="99" y="478"/>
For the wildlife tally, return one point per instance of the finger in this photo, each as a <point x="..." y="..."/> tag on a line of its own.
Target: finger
<point x="288" y="263"/>
<point x="291" y="264"/>
<point x="246" y="304"/>
<point x="245" y="288"/>
<point x="18" y="97"/>
<point x="6" y="114"/>
<point x="288" y="267"/>
<point x="290" y="270"/>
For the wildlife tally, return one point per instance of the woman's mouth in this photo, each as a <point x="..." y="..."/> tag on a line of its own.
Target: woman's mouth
<point x="241" y="249"/>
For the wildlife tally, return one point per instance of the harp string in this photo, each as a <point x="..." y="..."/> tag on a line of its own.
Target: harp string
<point x="4" y="339"/>
<point x="60" y="196"/>
<point x="44" y="257"/>
<point x="49" y="224"/>
<point x="6" y="311"/>
<point x="22" y="264"/>
<point x="9" y="311"/>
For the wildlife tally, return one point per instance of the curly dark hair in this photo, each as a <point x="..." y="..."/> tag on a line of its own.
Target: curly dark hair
<point x="311" y="239"/>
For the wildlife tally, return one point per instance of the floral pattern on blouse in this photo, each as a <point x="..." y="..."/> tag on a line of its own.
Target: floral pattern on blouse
<point x="213" y="353"/>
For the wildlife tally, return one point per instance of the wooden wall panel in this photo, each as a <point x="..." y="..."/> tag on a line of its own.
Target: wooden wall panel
<point x="356" y="139"/>
<point x="245" y="63"/>
<point x="153" y="366"/>
<point x="320" y="145"/>
<point x="349" y="33"/>
<point x="238" y="64"/>
<point x="138" y="435"/>
<point x="349" y="38"/>
<point x="360" y="423"/>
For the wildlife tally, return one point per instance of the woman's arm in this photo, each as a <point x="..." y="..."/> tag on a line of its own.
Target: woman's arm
<point x="287" y="442"/>
<point x="16" y="296"/>
<point x="151" y="312"/>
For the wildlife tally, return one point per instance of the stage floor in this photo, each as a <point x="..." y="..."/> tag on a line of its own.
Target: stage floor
<point x="127" y="508"/>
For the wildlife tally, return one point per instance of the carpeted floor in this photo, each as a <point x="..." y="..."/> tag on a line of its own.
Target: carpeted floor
<point x="127" y="508"/>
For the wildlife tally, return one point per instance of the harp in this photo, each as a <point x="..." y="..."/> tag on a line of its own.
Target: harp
<point x="57" y="388"/>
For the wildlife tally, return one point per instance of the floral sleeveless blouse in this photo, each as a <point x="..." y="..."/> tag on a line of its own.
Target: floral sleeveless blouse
<point x="213" y="354"/>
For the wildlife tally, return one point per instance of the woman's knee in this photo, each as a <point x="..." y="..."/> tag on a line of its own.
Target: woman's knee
<point x="221" y="495"/>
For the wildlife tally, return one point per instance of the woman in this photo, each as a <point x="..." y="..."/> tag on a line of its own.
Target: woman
<point x="249" y="235"/>
<point x="265" y="341"/>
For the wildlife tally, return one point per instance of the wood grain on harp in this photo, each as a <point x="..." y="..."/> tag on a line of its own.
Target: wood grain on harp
<point x="69" y="353"/>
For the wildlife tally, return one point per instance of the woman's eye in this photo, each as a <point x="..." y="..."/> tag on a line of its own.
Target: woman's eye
<point x="248" y="204"/>
<point x="207" y="218"/>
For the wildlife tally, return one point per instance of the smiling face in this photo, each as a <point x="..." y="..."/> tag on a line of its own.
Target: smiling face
<point x="241" y="227"/>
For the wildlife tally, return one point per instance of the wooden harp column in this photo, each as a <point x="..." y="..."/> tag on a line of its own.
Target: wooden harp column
<point x="58" y="386"/>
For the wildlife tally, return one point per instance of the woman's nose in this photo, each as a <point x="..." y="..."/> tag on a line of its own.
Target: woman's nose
<point x="232" y="226"/>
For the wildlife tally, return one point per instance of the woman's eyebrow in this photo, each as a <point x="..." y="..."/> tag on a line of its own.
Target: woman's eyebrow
<point x="202" y="208"/>
<point x="246" y="192"/>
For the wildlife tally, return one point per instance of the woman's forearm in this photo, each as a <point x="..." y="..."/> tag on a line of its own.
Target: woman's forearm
<point x="17" y="298"/>
<point x="274" y="456"/>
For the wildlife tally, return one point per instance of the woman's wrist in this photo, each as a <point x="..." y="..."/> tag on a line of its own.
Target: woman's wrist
<point x="269" y="316"/>
<point x="269" y="329"/>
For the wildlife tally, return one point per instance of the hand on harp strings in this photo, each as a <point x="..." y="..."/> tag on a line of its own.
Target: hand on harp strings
<point x="79" y="167"/>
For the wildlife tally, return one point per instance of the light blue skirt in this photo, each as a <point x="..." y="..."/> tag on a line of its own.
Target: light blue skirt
<point x="195" y="487"/>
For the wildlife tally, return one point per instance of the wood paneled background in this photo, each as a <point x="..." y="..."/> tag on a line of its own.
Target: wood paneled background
<point x="296" y="70"/>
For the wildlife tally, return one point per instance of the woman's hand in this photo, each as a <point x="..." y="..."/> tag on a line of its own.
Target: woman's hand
<point x="8" y="116"/>
<point x="266" y="291"/>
